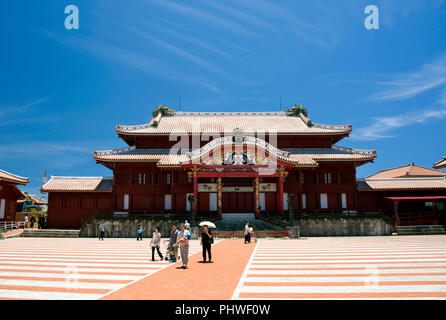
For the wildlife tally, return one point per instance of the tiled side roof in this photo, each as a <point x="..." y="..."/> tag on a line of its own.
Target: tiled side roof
<point x="227" y="122"/>
<point x="78" y="184"/>
<point x="335" y="153"/>
<point x="440" y="164"/>
<point x="9" y="177"/>
<point x="381" y="184"/>
<point x="302" y="157"/>
<point x="410" y="170"/>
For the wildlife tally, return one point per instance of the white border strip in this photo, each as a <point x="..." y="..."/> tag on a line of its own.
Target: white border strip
<point x="239" y="287"/>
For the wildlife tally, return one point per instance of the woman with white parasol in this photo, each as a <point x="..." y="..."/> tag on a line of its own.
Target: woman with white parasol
<point x="207" y="239"/>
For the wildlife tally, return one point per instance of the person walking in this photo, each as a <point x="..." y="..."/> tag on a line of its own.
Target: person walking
<point x="32" y="221"/>
<point x="102" y="229"/>
<point x="252" y="232"/>
<point x="247" y="234"/>
<point x="206" y="241"/>
<point x="173" y="246"/>
<point x="25" y="220"/>
<point x="183" y="241"/>
<point x="155" y="243"/>
<point x="140" y="231"/>
<point x="187" y="225"/>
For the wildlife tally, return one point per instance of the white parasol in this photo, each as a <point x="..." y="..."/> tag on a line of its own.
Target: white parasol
<point x="207" y="223"/>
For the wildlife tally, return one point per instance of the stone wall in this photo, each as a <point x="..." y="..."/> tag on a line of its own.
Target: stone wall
<point x="348" y="226"/>
<point x="127" y="228"/>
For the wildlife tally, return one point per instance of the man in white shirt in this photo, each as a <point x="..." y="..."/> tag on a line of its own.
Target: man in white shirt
<point x="187" y="225"/>
<point x="183" y="241"/>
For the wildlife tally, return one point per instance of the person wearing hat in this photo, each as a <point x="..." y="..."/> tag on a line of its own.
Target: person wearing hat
<point x="187" y="225"/>
<point x="183" y="241"/>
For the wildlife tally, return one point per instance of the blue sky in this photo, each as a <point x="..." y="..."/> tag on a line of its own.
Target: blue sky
<point x="63" y="91"/>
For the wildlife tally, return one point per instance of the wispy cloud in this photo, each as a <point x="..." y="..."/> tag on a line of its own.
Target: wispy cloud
<point x="429" y="76"/>
<point x="39" y="149"/>
<point x="25" y="113"/>
<point x="312" y="23"/>
<point x="28" y="119"/>
<point x="405" y="86"/>
<point x="245" y="17"/>
<point x="177" y="51"/>
<point x="211" y="19"/>
<point x="382" y="127"/>
<point x="57" y="154"/>
<point x="393" y="11"/>
<point x="140" y="61"/>
<point x="7" y="110"/>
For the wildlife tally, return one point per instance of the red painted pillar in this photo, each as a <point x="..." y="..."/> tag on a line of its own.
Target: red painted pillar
<point x="256" y="197"/>
<point x="434" y="214"/>
<point x="397" y="218"/>
<point x="195" y="192"/>
<point x="219" y="196"/>
<point x="280" y="193"/>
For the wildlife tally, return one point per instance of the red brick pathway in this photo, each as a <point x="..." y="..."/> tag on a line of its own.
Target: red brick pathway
<point x="201" y="281"/>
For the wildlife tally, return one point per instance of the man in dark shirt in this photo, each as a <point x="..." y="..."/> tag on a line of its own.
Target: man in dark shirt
<point x="206" y="242"/>
<point x="173" y="241"/>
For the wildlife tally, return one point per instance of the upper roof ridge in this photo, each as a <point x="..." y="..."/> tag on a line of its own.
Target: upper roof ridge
<point x="227" y="113"/>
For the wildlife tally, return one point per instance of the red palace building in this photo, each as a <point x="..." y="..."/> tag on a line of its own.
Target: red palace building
<point x="9" y="194"/>
<point x="231" y="162"/>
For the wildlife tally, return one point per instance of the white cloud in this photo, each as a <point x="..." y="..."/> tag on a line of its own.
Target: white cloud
<point x="209" y="18"/>
<point x="429" y="76"/>
<point x="140" y="61"/>
<point x="383" y="126"/>
<point x="19" y="109"/>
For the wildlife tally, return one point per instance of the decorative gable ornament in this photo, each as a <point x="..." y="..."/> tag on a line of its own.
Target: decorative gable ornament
<point x="296" y="111"/>
<point x="165" y="111"/>
<point x="238" y="136"/>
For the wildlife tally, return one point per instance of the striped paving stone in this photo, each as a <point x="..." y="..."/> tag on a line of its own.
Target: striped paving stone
<point x="411" y="267"/>
<point x="74" y="268"/>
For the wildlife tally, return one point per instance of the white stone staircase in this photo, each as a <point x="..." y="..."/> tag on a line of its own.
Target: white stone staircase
<point x="238" y="217"/>
<point x="236" y="222"/>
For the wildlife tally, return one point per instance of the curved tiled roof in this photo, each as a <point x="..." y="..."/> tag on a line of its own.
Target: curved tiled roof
<point x="410" y="170"/>
<point x="381" y="184"/>
<point x="9" y="177"/>
<point x="227" y="122"/>
<point x="304" y="157"/>
<point x="78" y="184"/>
<point x="335" y="153"/>
<point x="440" y="164"/>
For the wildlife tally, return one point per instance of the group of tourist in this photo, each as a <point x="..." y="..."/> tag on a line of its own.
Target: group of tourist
<point x="179" y="239"/>
<point x="40" y="221"/>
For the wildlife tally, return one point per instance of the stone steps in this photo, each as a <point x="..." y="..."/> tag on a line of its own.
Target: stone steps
<point x="48" y="233"/>
<point x="237" y="221"/>
<point x="238" y="216"/>
<point x="420" y="230"/>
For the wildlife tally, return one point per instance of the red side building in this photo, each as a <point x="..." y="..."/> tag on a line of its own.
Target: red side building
<point x="232" y="162"/>
<point x="412" y="194"/>
<point x="9" y="194"/>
